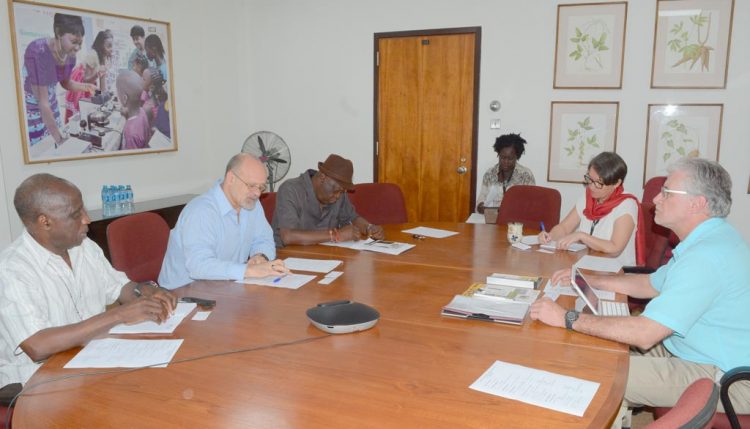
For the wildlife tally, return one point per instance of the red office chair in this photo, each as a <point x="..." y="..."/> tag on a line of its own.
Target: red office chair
<point x="268" y="201"/>
<point x="530" y="205"/>
<point x="379" y="203"/>
<point x="137" y="244"/>
<point x="728" y="419"/>
<point x="695" y="408"/>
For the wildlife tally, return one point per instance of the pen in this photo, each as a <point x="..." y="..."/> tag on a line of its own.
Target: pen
<point x="541" y="224"/>
<point x="278" y="279"/>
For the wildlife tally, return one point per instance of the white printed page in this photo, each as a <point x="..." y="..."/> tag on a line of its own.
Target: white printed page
<point x="118" y="353"/>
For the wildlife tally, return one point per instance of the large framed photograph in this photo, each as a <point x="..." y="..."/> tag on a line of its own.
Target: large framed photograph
<point x="691" y="43"/>
<point x="590" y="44"/>
<point x="579" y="130"/>
<point x="91" y="84"/>
<point x="676" y="131"/>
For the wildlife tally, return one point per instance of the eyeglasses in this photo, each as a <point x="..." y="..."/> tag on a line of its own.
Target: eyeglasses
<point x="260" y="187"/>
<point x="588" y="180"/>
<point x="666" y="191"/>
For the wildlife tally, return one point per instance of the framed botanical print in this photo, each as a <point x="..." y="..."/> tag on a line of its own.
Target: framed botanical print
<point x="676" y="131"/>
<point x="590" y="44"/>
<point x="579" y="130"/>
<point x="691" y="43"/>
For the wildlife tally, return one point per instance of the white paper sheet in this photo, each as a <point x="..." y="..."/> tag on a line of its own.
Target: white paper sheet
<point x="201" y="315"/>
<point x="151" y="327"/>
<point x="598" y="263"/>
<point x="333" y="275"/>
<point x="475" y="218"/>
<point x="574" y="247"/>
<point x="312" y="265"/>
<point x="430" y="232"/>
<point x="289" y="281"/>
<point x="380" y="246"/>
<point x="531" y="240"/>
<point x="119" y="353"/>
<point x="536" y="387"/>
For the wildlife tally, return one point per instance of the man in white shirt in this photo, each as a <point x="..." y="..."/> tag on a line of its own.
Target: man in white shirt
<point x="55" y="282"/>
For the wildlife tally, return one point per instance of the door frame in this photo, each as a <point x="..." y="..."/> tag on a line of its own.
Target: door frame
<point x="477" y="31"/>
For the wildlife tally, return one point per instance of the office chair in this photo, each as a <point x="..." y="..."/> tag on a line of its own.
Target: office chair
<point x="695" y="409"/>
<point x="268" y="201"/>
<point x="530" y="205"/>
<point x="137" y="244"/>
<point x="4" y="411"/>
<point x="379" y="203"/>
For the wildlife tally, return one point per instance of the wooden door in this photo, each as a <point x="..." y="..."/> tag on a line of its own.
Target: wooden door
<point x="426" y="108"/>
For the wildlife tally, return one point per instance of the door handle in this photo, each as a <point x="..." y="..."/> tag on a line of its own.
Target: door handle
<point x="462" y="170"/>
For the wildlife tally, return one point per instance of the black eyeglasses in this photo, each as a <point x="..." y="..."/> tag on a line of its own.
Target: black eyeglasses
<point x="588" y="180"/>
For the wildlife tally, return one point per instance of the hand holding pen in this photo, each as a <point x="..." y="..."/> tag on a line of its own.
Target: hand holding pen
<point x="270" y="268"/>
<point x="544" y="236"/>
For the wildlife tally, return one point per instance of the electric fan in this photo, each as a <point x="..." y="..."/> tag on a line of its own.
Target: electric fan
<point x="272" y="151"/>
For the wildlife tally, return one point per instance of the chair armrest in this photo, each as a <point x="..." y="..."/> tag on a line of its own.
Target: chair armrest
<point x="736" y="374"/>
<point x="637" y="270"/>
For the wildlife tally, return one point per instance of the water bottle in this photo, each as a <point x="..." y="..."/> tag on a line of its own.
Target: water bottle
<point x="129" y="199"/>
<point x="105" y="201"/>
<point x="121" y="200"/>
<point x="113" y="206"/>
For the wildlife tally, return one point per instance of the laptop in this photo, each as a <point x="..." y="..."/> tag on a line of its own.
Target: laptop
<point x="598" y="306"/>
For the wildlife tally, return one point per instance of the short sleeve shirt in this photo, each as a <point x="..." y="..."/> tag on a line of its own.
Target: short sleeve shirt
<point x="606" y="226"/>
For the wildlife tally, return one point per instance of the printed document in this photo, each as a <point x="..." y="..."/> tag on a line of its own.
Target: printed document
<point x="536" y="387"/>
<point x="312" y="265"/>
<point x="380" y="246"/>
<point x="151" y="327"/>
<point x="288" y="281"/>
<point x="118" y="353"/>
<point x="430" y="232"/>
<point x="574" y="247"/>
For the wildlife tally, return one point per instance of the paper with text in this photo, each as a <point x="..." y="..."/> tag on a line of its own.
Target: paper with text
<point x="430" y="232"/>
<point x="151" y="327"/>
<point x="312" y="265"/>
<point x="119" y="353"/>
<point x="380" y="246"/>
<point x="288" y="281"/>
<point x="573" y="247"/>
<point x="536" y="387"/>
<point x="530" y="240"/>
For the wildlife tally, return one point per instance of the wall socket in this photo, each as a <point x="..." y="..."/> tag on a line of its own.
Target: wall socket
<point x="494" y="124"/>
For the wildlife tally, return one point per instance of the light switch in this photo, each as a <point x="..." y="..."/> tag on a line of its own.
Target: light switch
<point x="494" y="124"/>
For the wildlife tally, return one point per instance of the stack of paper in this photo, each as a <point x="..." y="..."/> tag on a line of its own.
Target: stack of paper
<point x="380" y="246"/>
<point x="312" y="265"/>
<point x="485" y="309"/>
<point x="430" y="232"/>
<point x="117" y="353"/>
<point x="288" y="281"/>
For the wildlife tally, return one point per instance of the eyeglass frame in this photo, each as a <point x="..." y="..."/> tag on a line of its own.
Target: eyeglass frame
<point x="587" y="180"/>
<point x="250" y="187"/>
<point x="666" y="191"/>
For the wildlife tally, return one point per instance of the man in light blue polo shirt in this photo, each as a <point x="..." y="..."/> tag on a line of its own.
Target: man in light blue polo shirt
<point x="696" y="322"/>
<point x="223" y="234"/>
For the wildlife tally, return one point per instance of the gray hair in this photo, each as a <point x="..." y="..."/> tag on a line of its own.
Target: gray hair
<point x="40" y="194"/>
<point x="709" y="179"/>
<point x="236" y="160"/>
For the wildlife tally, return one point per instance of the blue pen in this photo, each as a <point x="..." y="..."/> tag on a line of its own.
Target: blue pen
<point x="542" y="225"/>
<point x="278" y="279"/>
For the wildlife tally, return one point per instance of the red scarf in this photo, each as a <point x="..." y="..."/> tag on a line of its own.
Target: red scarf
<point x="595" y="211"/>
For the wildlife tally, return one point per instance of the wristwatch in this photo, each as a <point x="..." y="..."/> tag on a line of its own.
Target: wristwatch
<point x="570" y="317"/>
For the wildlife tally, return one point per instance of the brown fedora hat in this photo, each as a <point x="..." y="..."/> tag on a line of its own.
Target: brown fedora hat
<point x="338" y="169"/>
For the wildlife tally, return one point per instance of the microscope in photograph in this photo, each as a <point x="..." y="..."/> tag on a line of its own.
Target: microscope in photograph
<point x="92" y="124"/>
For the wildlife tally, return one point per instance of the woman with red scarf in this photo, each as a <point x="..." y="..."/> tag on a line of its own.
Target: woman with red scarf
<point x="605" y="219"/>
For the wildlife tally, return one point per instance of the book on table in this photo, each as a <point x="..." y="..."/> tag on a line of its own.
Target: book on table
<point x="488" y="310"/>
<point x="502" y="293"/>
<point x="531" y="282"/>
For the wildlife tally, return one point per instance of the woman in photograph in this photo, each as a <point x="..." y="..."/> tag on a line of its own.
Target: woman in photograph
<point x="506" y="173"/>
<point x="155" y="52"/>
<point x="604" y="219"/>
<point x="47" y="62"/>
<point x="93" y="70"/>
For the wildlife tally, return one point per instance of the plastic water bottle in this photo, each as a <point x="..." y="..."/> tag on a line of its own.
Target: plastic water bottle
<point x="105" y="201"/>
<point x="113" y="204"/>
<point x="129" y="199"/>
<point x="122" y="205"/>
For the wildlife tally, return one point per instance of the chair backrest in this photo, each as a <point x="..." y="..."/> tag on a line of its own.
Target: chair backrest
<point x="379" y="203"/>
<point x="530" y="205"/>
<point x="137" y="244"/>
<point x="652" y="187"/>
<point x="268" y="201"/>
<point x="695" y="408"/>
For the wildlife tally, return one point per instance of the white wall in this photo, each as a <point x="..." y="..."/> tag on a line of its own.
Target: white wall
<point x="304" y="70"/>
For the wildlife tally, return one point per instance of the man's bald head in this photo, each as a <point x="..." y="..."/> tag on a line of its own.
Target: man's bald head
<point x="42" y="194"/>
<point x="129" y="84"/>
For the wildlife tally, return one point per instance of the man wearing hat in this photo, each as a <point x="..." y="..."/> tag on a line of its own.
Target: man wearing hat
<point x="314" y="207"/>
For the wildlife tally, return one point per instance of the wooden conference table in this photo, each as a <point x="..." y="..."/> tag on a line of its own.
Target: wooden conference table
<point x="412" y="369"/>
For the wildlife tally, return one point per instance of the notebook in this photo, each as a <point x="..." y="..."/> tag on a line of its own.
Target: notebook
<point x="598" y="306"/>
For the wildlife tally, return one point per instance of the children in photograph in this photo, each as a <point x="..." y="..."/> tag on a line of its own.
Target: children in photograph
<point x="137" y="131"/>
<point x="155" y="52"/>
<point x="154" y="99"/>
<point x="140" y="64"/>
<point x="47" y="62"/>
<point x="93" y="71"/>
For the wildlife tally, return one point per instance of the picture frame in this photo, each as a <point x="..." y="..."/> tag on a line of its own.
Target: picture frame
<point x="579" y="130"/>
<point x="691" y="43"/>
<point x="674" y="131"/>
<point x="590" y="45"/>
<point x="99" y="98"/>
